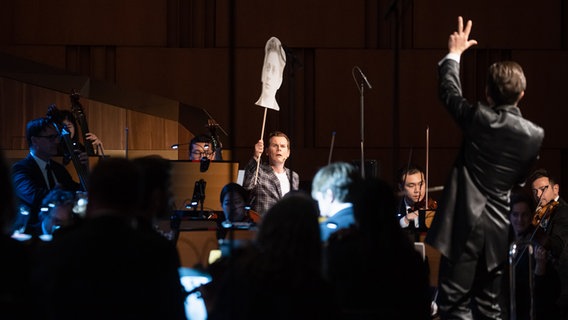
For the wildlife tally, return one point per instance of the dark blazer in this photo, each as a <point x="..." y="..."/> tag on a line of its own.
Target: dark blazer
<point x="342" y="219"/>
<point x="267" y="190"/>
<point x="30" y="185"/>
<point x="498" y="149"/>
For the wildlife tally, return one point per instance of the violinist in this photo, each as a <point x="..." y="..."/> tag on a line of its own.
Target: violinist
<point x="551" y="281"/>
<point x="412" y="187"/>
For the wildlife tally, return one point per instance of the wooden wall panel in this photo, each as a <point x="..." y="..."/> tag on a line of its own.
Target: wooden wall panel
<point x="496" y="24"/>
<point x="108" y="123"/>
<point x="196" y="77"/>
<point x="338" y="98"/>
<point x="11" y="132"/>
<point x="546" y="81"/>
<point x="50" y="55"/>
<point x="108" y="22"/>
<point x="147" y="132"/>
<point x="297" y="23"/>
<point x="179" y="49"/>
<point x="419" y="105"/>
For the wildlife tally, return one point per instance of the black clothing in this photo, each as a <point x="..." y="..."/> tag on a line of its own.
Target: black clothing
<point x="471" y="225"/>
<point x="30" y="187"/>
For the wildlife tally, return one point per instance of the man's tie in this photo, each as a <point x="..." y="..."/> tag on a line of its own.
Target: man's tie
<point x="50" y="179"/>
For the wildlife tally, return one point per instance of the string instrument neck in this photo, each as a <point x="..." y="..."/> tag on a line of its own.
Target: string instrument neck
<point x="77" y="109"/>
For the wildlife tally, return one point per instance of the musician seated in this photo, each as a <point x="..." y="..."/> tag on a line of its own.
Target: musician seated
<point x="236" y="210"/>
<point x="204" y="146"/>
<point x="70" y="124"/>
<point x="412" y="209"/>
<point x="33" y="178"/>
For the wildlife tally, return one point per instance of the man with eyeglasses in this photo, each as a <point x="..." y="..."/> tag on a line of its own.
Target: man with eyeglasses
<point x="551" y="282"/>
<point x="35" y="175"/>
<point x="202" y="146"/>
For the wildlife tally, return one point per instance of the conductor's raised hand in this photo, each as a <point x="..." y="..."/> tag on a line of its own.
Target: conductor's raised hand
<point x="459" y="40"/>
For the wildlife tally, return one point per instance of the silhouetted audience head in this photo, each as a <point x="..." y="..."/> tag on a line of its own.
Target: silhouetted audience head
<point x="8" y="203"/>
<point x="114" y="188"/>
<point x="290" y="230"/>
<point x="374" y="204"/>
<point x="16" y="264"/>
<point x="337" y="178"/>
<point x="57" y="210"/>
<point x="279" y="275"/>
<point x="375" y="253"/>
<point x="157" y="200"/>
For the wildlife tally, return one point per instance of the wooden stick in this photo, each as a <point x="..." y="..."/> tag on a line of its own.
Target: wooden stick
<point x="427" y="148"/>
<point x="261" y="137"/>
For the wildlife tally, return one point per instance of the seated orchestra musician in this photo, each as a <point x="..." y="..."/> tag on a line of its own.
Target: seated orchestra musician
<point x="413" y="213"/>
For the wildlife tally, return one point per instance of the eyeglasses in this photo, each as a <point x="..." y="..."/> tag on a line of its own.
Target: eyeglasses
<point x="201" y="154"/>
<point x="50" y="137"/>
<point x="541" y="189"/>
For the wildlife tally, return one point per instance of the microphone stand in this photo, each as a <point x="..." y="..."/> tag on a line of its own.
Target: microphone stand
<point x="361" y="86"/>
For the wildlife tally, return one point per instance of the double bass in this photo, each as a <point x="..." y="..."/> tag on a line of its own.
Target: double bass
<point x="55" y="116"/>
<point x="79" y="114"/>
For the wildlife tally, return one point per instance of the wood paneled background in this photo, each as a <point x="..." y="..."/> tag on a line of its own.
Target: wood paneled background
<point x="205" y="56"/>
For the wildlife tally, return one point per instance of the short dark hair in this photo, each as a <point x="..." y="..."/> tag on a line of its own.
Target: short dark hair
<point x="541" y="173"/>
<point x="279" y="134"/>
<point x="505" y="82"/>
<point x="519" y="195"/>
<point x="232" y="187"/>
<point x="407" y="170"/>
<point x="199" y="138"/>
<point x="35" y="127"/>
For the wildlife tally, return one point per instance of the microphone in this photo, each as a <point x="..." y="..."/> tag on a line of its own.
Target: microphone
<point x="204" y="164"/>
<point x="364" y="78"/>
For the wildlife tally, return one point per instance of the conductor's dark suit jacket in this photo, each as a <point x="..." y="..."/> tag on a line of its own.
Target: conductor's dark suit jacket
<point x="498" y="149"/>
<point x="30" y="186"/>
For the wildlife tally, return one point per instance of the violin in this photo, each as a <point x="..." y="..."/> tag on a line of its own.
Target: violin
<point x="421" y="205"/>
<point x="430" y="210"/>
<point x="544" y="212"/>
